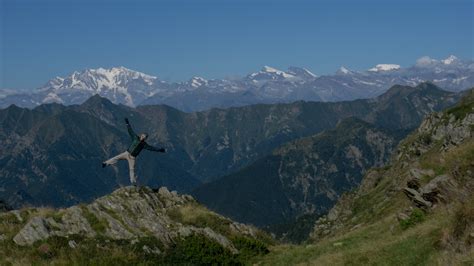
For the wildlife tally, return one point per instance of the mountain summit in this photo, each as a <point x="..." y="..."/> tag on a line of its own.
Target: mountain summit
<point x="119" y="84"/>
<point x="269" y="85"/>
<point x="133" y="224"/>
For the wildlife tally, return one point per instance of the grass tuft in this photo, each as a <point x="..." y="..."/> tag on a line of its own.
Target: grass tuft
<point x="417" y="216"/>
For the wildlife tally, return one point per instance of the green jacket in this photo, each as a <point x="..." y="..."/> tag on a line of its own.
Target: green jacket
<point x="137" y="146"/>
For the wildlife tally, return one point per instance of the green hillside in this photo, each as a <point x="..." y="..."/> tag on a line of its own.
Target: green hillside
<point x="417" y="211"/>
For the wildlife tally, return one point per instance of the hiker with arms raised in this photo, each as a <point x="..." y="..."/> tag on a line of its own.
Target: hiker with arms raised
<point x="138" y="144"/>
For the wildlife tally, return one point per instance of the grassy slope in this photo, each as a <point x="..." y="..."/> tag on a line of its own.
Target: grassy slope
<point x="193" y="249"/>
<point x="371" y="235"/>
<point x="385" y="242"/>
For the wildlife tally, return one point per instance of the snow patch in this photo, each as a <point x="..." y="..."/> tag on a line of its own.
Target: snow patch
<point x="458" y="80"/>
<point x="271" y="70"/>
<point x="198" y="82"/>
<point x="449" y="60"/>
<point x="309" y="73"/>
<point x="52" y="98"/>
<point x="384" y="67"/>
<point x="344" y="70"/>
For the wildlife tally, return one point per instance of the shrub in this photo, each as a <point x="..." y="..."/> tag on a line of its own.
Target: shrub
<point x="463" y="218"/>
<point x="199" y="250"/>
<point x="417" y="216"/>
<point x="426" y="139"/>
<point x="249" y="247"/>
<point x="199" y="216"/>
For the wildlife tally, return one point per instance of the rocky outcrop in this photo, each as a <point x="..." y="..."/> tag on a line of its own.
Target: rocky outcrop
<point x="440" y="189"/>
<point x="130" y="213"/>
<point x="417" y="198"/>
<point x="449" y="129"/>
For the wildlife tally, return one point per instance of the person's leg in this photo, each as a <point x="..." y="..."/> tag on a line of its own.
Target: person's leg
<point x="113" y="160"/>
<point x="131" y="166"/>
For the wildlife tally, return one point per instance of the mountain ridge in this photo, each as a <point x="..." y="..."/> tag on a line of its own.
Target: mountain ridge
<point x="269" y="85"/>
<point x="301" y="177"/>
<point x="46" y="148"/>
<point x="135" y="225"/>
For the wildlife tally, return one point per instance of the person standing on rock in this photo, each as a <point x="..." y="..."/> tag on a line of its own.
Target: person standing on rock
<point x="138" y="144"/>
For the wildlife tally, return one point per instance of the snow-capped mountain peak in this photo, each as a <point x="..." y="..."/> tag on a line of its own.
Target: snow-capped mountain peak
<point x="449" y="60"/>
<point x="101" y="79"/>
<point x="270" y="73"/>
<point x="301" y="72"/>
<point x="269" y="69"/>
<point x="120" y="84"/>
<point x="197" y="82"/>
<point x="384" y="67"/>
<point x="124" y="86"/>
<point x="119" y="73"/>
<point x="343" y="70"/>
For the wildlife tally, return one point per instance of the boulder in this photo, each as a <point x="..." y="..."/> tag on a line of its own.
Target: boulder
<point x="36" y="229"/>
<point x="417" y="198"/>
<point x="402" y="216"/>
<point x="440" y="189"/>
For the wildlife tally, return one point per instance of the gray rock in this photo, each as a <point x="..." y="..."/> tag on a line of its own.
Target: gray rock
<point x="238" y="228"/>
<point x="75" y="223"/>
<point x="417" y="199"/>
<point x="127" y="213"/>
<point x="440" y="189"/>
<point x="402" y="217"/>
<point x="149" y="250"/>
<point x="33" y="231"/>
<point x="333" y="214"/>
<point x="185" y="231"/>
<point x="17" y="215"/>
<point x="72" y="244"/>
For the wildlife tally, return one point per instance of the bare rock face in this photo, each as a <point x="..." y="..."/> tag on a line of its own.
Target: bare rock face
<point x="440" y="189"/>
<point x="128" y="213"/>
<point x="417" y="198"/>
<point x="442" y="126"/>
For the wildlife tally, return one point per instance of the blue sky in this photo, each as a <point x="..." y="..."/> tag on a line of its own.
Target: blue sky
<point x="176" y="40"/>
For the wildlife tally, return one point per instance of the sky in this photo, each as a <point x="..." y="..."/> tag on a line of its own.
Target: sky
<point x="175" y="40"/>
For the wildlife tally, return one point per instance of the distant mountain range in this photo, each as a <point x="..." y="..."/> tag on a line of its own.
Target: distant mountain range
<point x="51" y="154"/>
<point x="269" y="85"/>
<point x="305" y="176"/>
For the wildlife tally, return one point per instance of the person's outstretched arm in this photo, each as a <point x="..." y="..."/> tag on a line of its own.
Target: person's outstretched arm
<point x="130" y="130"/>
<point x="151" y="148"/>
